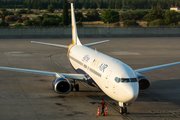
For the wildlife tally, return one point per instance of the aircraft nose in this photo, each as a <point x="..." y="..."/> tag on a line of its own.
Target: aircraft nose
<point x="131" y="95"/>
<point x="130" y="92"/>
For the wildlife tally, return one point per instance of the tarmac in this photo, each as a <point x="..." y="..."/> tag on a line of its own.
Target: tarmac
<point x="25" y="96"/>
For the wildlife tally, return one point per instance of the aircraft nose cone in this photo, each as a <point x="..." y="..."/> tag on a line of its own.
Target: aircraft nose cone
<point x="130" y="92"/>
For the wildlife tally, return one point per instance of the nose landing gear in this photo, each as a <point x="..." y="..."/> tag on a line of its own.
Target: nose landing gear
<point x="123" y="108"/>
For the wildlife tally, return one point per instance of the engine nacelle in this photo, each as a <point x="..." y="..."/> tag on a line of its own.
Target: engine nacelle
<point x="61" y="85"/>
<point x="144" y="83"/>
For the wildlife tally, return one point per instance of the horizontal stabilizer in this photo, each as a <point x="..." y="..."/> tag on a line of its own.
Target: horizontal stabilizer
<point x="55" y="45"/>
<point x="95" y="43"/>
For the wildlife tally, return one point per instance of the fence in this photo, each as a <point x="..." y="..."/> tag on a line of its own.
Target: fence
<point x="88" y="32"/>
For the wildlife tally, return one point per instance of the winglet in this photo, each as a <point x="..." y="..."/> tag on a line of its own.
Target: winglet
<point x="75" y="39"/>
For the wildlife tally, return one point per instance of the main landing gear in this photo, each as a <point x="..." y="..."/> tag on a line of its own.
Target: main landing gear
<point x="74" y="85"/>
<point x="123" y="109"/>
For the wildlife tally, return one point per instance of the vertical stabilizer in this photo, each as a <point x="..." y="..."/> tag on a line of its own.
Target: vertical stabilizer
<point x="75" y="39"/>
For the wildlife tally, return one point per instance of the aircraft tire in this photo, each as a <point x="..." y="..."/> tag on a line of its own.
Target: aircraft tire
<point x="76" y="87"/>
<point x="121" y="110"/>
<point x="124" y="110"/>
<point x="72" y="87"/>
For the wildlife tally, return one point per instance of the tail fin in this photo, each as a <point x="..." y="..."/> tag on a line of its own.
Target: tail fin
<point x="75" y="39"/>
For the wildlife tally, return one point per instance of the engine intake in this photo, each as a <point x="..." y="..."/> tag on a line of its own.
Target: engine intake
<point x="61" y="85"/>
<point x="144" y="83"/>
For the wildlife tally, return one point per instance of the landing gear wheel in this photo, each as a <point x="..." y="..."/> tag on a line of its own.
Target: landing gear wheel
<point x="121" y="110"/>
<point x="124" y="110"/>
<point x="72" y="87"/>
<point x="76" y="87"/>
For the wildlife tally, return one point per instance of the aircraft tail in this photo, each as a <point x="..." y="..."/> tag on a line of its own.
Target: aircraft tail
<point x="75" y="39"/>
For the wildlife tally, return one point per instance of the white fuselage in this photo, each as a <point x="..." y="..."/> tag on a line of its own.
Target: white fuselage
<point x="101" y="71"/>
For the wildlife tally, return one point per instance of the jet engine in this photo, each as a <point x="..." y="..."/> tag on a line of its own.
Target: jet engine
<point x="61" y="85"/>
<point x="144" y="83"/>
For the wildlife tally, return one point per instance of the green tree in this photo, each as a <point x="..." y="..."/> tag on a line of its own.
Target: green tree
<point x="18" y="25"/>
<point x="154" y="14"/>
<point x="156" y="23"/>
<point x="125" y="4"/>
<point x="78" y="5"/>
<point x="3" y="13"/>
<point x="79" y="16"/>
<point x="39" y="20"/>
<point x="171" y="17"/>
<point x="79" y="24"/>
<point x="93" y="15"/>
<point x="130" y="15"/>
<point x="22" y="11"/>
<point x="110" y="16"/>
<point x="4" y="24"/>
<point x="1" y="3"/>
<point x="130" y="23"/>
<point x="50" y="8"/>
<point x="118" y="4"/>
<point x="65" y="18"/>
<point x="86" y="4"/>
<point x="51" y="22"/>
<point x="100" y="4"/>
<point x="28" y="22"/>
<point x="111" y="4"/>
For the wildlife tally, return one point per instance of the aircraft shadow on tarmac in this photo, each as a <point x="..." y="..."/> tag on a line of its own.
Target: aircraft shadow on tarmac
<point x="160" y="91"/>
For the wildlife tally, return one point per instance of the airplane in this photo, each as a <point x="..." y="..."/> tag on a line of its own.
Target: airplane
<point x="116" y="79"/>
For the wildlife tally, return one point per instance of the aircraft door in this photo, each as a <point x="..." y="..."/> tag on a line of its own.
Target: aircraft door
<point x="107" y="79"/>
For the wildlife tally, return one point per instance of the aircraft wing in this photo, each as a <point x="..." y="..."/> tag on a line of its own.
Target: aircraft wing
<point x="143" y="70"/>
<point x="80" y="77"/>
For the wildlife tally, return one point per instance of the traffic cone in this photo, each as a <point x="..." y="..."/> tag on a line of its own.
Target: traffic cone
<point x="106" y="112"/>
<point x="98" y="113"/>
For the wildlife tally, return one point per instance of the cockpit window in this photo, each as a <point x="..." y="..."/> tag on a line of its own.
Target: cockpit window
<point x="118" y="79"/>
<point x="125" y="80"/>
<point x="133" y="79"/>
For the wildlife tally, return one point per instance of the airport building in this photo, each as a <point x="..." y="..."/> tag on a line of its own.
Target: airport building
<point x="175" y="8"/>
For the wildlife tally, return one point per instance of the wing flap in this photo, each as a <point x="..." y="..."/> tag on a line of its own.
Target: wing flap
<point x="143" y="70"/>
<point x="74" y="76"/>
